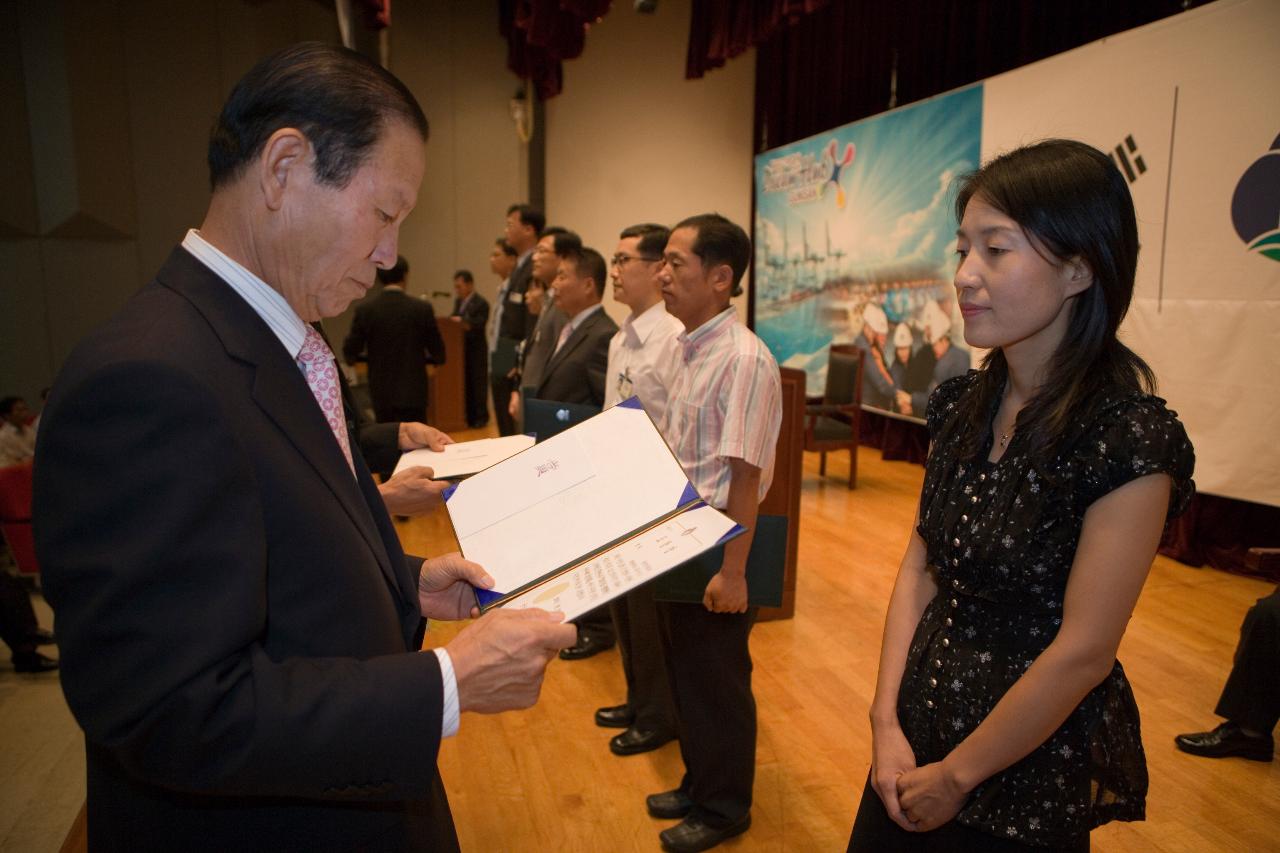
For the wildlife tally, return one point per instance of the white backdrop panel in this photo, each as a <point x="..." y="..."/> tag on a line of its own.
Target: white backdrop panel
<point x="1207" y="312"/>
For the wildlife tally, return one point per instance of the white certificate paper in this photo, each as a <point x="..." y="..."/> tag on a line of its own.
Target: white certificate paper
<point x="465" y="457"/>
<point x="629" y="564"/>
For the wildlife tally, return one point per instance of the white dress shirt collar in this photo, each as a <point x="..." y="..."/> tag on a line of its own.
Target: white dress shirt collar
<point x="265" y="300"/>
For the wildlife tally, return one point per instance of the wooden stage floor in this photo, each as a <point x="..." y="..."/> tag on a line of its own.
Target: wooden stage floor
<point x="544" y="779"/>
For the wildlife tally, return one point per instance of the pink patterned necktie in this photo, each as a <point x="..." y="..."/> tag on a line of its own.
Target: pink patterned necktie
<point x="322" y="378"/>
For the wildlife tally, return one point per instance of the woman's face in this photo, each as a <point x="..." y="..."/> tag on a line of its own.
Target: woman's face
<point x="1010" y="295"/>
<point x="534" y="298"/>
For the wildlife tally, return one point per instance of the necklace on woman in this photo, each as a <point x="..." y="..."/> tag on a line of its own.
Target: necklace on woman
<point x="1004" y="438"/>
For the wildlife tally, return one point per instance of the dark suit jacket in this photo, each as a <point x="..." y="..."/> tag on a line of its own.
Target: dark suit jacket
<point x="399" y="334"/>
<point x="235" y="616"/>
<point x="474" y="313"/>
<point x="515" y="315"/>
<point x="576" y="372"/>
<point x="540" y="344"/>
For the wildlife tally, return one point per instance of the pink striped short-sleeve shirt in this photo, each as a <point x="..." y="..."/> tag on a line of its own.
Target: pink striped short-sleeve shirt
<point x="725" y="403"/>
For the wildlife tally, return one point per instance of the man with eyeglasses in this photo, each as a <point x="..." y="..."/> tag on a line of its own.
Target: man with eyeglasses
<point x="554" y="243"/>
<point x="644" y="357"/>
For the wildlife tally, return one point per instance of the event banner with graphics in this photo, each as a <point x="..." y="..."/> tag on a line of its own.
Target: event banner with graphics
<point x="855" y="231"/>
<point x="855" y="244"/>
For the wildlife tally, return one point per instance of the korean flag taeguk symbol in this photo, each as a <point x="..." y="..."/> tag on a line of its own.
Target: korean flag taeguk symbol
<point x="1255" y="206"/>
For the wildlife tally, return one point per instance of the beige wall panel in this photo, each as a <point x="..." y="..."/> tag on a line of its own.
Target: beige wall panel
<point x="27" y="365"/>
<point x="174" y="95"/>
<point x="630" y="140"/>
<point x="450" y="54"/>
<point x="85" y="282"/>
<point x="17" y="183"/>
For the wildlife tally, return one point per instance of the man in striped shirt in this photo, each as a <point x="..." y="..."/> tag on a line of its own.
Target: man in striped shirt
<point x="722" y="421"/>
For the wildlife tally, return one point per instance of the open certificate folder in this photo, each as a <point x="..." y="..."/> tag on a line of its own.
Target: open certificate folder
<point x="586" y="515"/>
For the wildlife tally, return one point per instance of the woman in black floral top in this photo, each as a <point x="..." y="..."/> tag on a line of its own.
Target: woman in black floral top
<point x="1002" y="719"/>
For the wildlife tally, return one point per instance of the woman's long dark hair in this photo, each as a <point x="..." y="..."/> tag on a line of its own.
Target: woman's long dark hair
<point x="1072" y="200"/>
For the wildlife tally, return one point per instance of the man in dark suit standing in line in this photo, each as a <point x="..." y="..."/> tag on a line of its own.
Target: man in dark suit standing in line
<point x="397" y="334"/>
<point x="575" y="373"/>
<point x="511" y="317"/>
<point x="472" y="311"/>
<point x="239" y="628"/>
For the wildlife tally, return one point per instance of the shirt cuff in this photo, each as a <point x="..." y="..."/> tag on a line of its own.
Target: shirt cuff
<point x="449" y="718"/>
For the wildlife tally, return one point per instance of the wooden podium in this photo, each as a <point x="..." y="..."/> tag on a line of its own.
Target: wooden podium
<point x="446" y="392"/>
<point x="783" y="497"/>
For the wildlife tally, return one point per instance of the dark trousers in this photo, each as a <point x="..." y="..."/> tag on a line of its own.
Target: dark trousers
<point x="635" y="615"/>
<point x="503" y="359"/>
<point x="17" y="618"/>
<point x="476" y="373"/>
<point x="875" y="832"/>
<point x="709" y="664"/>
<point x="1251" y="697"/>
<point x="400" y="414"/>
<point x="597" y="624"/>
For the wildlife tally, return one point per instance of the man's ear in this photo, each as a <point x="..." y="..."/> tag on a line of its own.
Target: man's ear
<point x="722" y="280"/>
<point x="286" y="151"/>
<point x="1079" y="275"/>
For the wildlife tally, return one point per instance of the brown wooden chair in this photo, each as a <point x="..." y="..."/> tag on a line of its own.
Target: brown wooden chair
<point x="833" y="423"/>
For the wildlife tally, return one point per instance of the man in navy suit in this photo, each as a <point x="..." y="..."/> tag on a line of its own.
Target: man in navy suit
<point x="397" y="335"/>
<point x="239" y="628"/>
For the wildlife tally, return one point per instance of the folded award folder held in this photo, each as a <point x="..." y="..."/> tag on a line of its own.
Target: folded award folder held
<point x="584" y="516"/>
<point x="465" y="457"/>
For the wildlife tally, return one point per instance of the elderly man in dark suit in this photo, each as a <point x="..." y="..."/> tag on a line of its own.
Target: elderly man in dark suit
<point x="397" y="335"/>
<point x="239" y="628"/>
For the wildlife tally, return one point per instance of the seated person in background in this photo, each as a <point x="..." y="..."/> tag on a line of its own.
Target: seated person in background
<point x="1250" y="700"/>
<point x="17" y="435"/>
<point x="19" y="630"/>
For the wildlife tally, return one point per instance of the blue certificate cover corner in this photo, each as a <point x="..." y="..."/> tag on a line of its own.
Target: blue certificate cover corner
<point x="448" y="492"/>
<point x="689" y="494"/>
<point x="632" y="402"/>
<point x="730" y="533"/>
<point x="485" y="597"/>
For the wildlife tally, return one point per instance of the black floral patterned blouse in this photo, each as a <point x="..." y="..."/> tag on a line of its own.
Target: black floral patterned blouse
<point x="1001" y="538"/>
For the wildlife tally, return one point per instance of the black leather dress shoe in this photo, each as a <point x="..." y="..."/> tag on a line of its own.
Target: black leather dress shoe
<point x="669" y="805"/>
<point x="692" y="835"/>
<point x="43" y="637"/>
<point x="1225" y="741"/>
<point x="615" y="717"/>
<point x="635" y="741"/>
<point x="34" y="662"/>
<point x="586" y="646"/>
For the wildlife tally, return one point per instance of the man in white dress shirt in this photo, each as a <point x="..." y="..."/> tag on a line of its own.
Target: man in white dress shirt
<point x="644" y="357"/>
